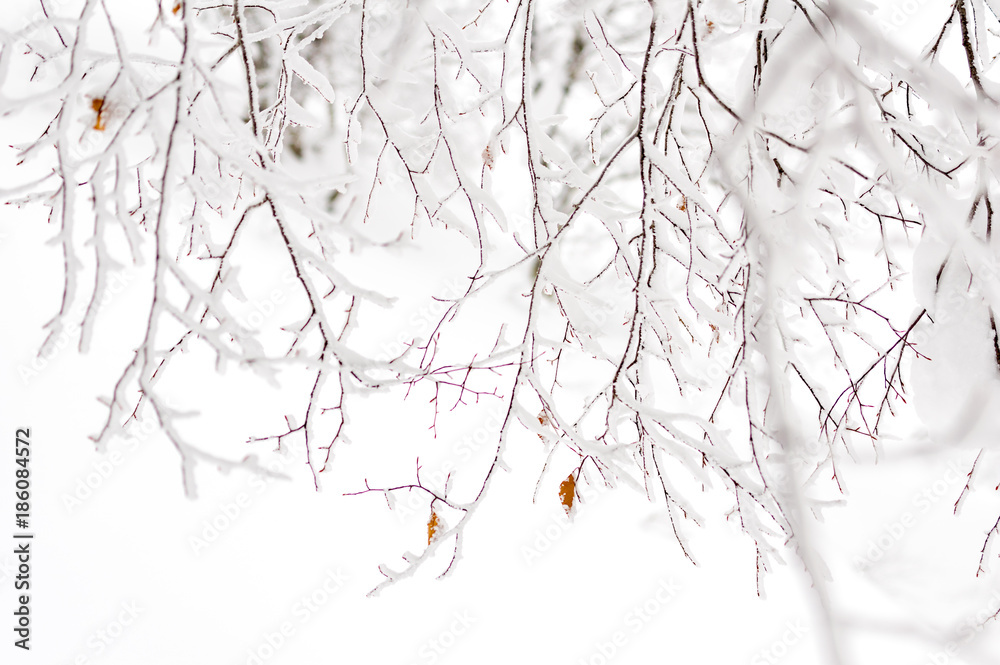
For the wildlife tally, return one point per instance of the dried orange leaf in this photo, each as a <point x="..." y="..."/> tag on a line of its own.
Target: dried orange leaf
<point x="432" y="527"/>
<point x="567" y="492"/>
<point x="543" y="419"/>
<point x="97" y="103"/>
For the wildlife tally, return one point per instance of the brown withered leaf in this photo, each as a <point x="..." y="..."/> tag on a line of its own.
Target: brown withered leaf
<point x="432" y="527"/>
<point x="97" y="103"/>
<point x="567" y="492"/>
<point x="543" y="420"/>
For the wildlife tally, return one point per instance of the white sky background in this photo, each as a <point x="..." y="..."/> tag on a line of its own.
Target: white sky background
<point x="129" y="543"/>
